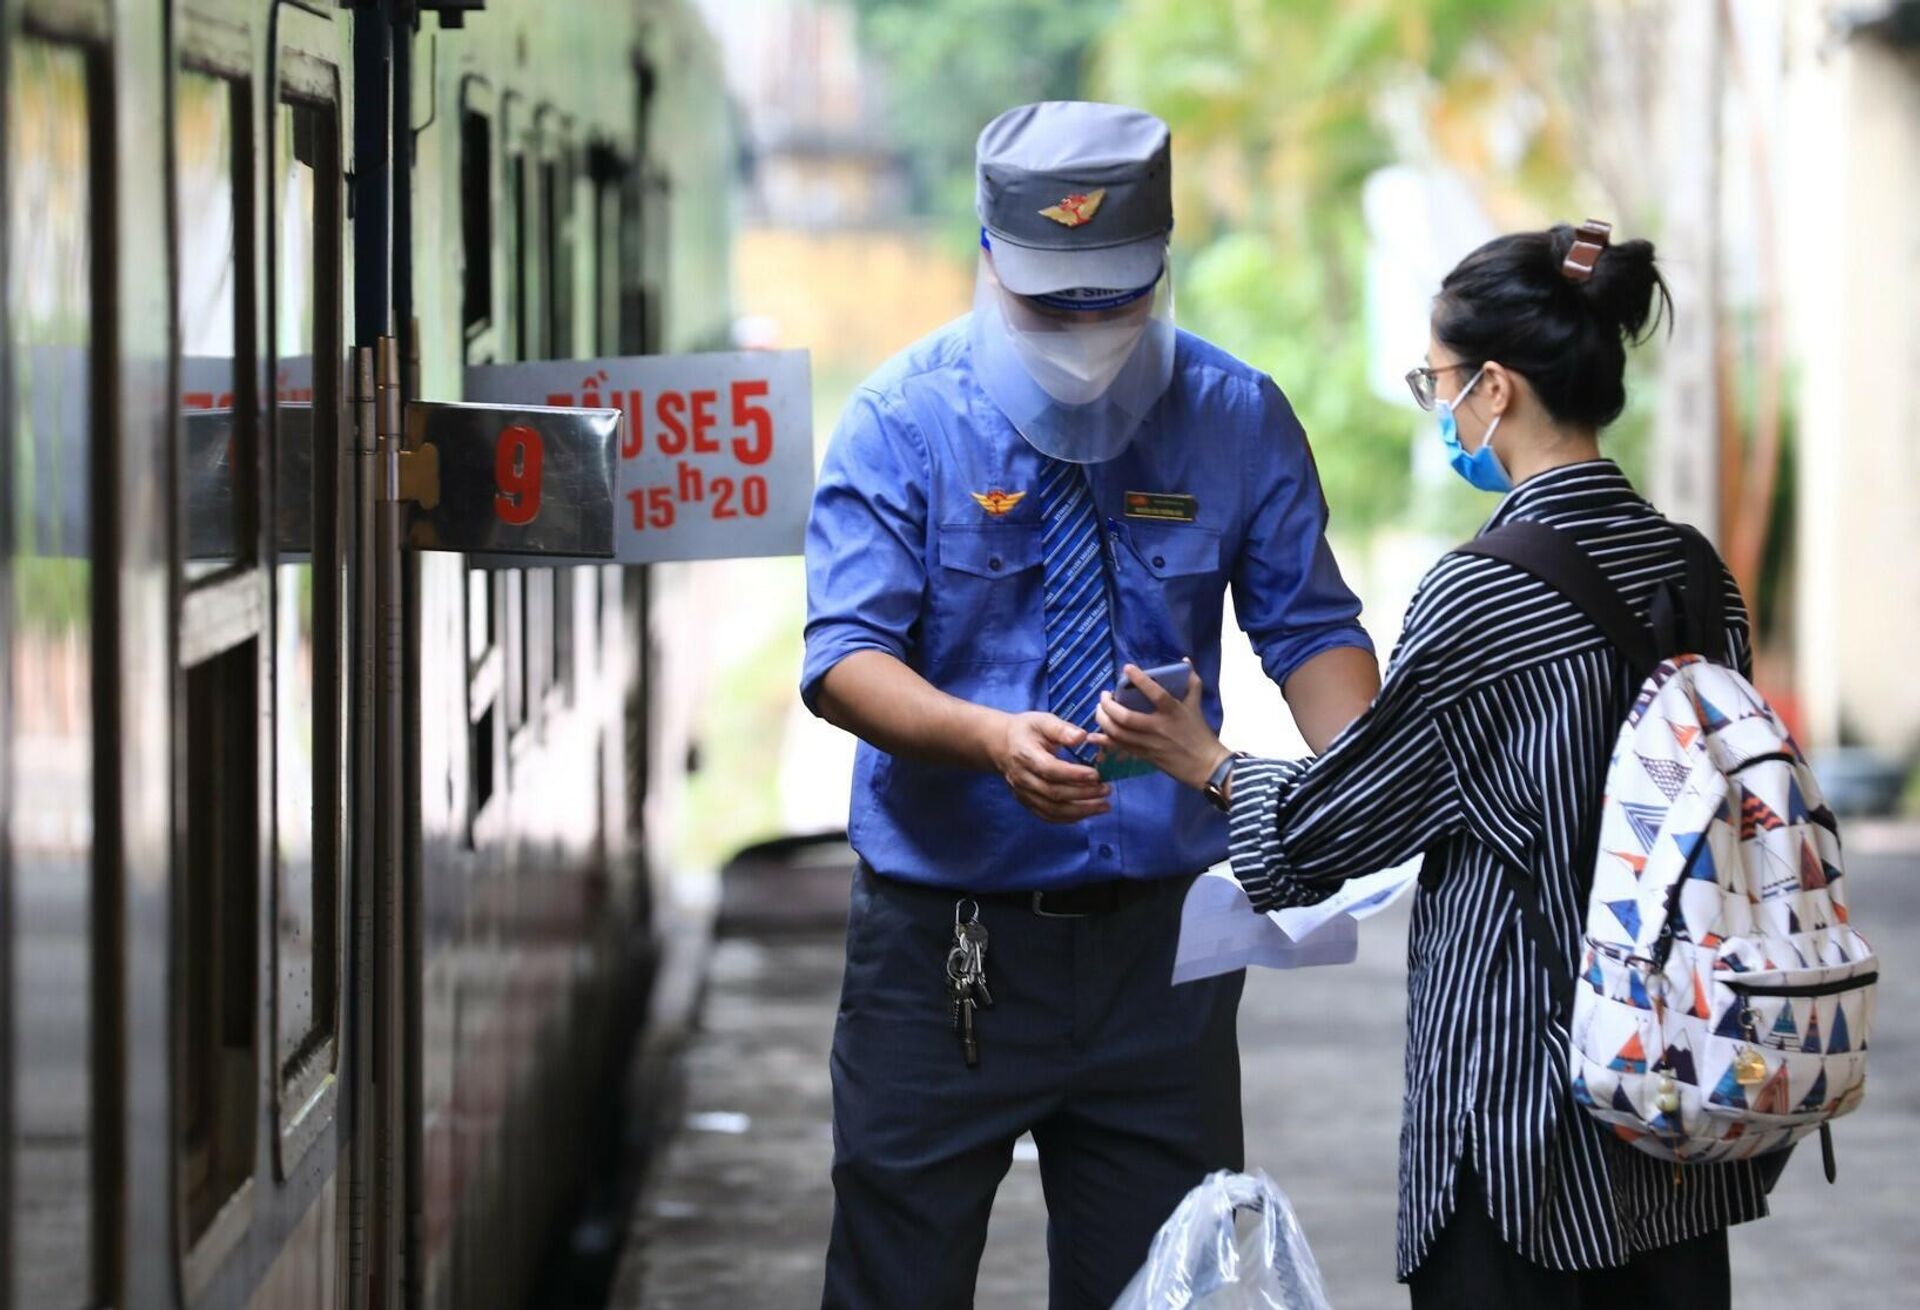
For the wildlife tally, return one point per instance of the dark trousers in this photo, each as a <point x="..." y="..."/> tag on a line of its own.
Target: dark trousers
<point x="1471" y="1267"/>
<point x="1130" y="1087"/>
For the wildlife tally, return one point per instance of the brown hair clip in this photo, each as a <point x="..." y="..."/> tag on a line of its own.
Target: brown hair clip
<point x="1589" y="239"/>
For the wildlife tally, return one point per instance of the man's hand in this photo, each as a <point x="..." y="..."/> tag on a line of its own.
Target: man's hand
<point x="1055" y="790"/>
<point x="875" y="696"/>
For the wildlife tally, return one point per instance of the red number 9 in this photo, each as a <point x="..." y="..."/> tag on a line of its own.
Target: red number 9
<point x="516" y="470"/>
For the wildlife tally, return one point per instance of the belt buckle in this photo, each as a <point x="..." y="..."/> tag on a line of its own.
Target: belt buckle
<point x="1039" y="908"/>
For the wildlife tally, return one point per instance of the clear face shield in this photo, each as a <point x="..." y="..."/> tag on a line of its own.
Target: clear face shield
<point x="1077" y="382"/>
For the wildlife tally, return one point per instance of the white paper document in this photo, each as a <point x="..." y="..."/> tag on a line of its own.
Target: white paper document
<point x="1220" y="932"/>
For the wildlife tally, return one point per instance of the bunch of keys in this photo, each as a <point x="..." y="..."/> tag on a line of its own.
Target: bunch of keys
<point x="967" y="975"/>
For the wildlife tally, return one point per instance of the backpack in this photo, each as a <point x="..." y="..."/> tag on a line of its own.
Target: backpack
<point x="1723" y="1002"/>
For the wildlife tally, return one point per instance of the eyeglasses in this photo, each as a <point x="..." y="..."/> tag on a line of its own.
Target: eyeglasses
<point x="1420" y="381"/>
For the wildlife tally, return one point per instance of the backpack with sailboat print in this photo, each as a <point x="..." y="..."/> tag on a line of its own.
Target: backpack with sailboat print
<point x="1723" y="1002"/>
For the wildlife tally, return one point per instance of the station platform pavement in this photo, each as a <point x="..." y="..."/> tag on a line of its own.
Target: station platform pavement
<point x="735" y="1209"/>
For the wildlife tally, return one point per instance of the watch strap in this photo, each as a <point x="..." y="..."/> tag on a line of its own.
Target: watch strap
<point x="1217" y="781"/>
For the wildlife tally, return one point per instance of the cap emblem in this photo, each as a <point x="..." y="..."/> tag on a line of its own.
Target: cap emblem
<point x="1075" y="210"/>
<point x="997" y="503"/>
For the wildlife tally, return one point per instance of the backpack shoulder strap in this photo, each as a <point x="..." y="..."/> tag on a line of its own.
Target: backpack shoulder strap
<point x="1706" y="600"/>
<point x="1557" y="560"/>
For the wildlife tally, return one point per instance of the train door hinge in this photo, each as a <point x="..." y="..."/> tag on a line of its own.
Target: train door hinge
<point x="406" y="474"/>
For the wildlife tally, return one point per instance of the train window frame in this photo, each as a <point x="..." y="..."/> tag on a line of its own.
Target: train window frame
<point x="651" y="201"/>
<point x="479" y="134"/>
<point x="486" y="699"/>
<point x="65" y="22"/>
<point x="556" y="183"/>
<point x="482" y="344"/>
<point x="563" y="645"/>
<point x="222" y="617"/>
<point x="607" y="171"/>
<point x="526" y="319"/>
<point x="215" y="55"/>
<point x="79" y="36"/>
<point x="556" y="186"/>
<point x="306" y="1089"/>
<point x="520" y="147"/>
<point x="520" y="698"/>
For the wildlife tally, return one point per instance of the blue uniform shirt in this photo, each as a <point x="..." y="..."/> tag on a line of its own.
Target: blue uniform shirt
<point x="903" y="557"/>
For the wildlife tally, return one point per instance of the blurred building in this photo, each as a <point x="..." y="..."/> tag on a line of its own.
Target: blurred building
<point x="1781" y="154"/>
<point x="1850" y="254"/>
<point x="828" y="258"/>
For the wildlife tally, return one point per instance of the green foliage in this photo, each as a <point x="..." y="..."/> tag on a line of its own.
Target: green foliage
<point x="1277" y="112"/>
<point x="1280" y="111"/>
<point x="1267" y="305"/>
<point x="952" y="65"/>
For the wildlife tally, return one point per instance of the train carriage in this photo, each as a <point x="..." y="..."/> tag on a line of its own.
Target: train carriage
<point x="325" y="884"/>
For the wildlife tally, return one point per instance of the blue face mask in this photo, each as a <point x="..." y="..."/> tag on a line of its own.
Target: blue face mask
<point x="1482" y="469"/>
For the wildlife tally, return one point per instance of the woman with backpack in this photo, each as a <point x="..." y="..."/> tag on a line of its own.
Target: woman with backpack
<point x="1487" y="749"/>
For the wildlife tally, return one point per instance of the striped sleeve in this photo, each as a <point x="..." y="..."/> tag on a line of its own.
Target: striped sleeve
<point x="1383" y="792"/>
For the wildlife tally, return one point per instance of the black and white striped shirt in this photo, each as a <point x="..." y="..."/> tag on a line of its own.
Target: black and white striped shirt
<point x="1490" y="741"/>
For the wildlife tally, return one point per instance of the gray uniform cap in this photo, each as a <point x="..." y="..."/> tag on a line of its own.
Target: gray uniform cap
<point x="1075" y="194"/>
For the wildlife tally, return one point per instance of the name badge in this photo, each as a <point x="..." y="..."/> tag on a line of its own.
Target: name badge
<point x="1166" y="506"/>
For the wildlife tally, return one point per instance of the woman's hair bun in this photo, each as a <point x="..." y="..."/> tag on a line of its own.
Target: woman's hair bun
<point x="1625" y="288"/>
<point x="1516" y="300"/>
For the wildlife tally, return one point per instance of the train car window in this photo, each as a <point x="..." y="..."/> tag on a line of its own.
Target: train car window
<point x="226" y="623"/>
<point x="483" y="690"/>
<point x="530" y="325"/>
<point x="656" y="214"/>
<point x="556" y="230"/>
<point x="476" y="219"/>
<point x="516" y="648"/>
<point x="218" y="945"/>
<point x="636" y="627"/>
<point x="480" y="617"/>
<point x="48" y="442"/>
<point x="516" y="215"/>
<point x="309" y="589"/>
<point x="212" y="158"/>
<point x="634" y="339"/>
<point x="541" y="587"/>
<point x="607" y="169"/>
<point x="565" y="605"/>
<point x="635" y="304"/>
<point x="603" y="578"/>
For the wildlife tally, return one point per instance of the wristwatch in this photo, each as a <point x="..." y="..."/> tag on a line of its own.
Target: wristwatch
<point x="1217" y="780"/>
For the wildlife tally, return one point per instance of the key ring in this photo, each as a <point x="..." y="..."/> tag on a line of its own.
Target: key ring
<point x="972" y="918"/>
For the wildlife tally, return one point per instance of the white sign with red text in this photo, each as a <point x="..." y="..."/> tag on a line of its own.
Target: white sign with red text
<point x="716" y="451"/>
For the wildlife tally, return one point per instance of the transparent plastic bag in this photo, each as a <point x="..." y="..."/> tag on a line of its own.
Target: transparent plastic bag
<point x="1206" y="1258"/>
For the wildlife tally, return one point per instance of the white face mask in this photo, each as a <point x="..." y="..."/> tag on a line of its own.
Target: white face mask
<point x="1076" y="365"/>
<point x="1077" y="390"/>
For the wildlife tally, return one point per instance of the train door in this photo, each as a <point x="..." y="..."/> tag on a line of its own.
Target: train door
<point x="262" y="845"/>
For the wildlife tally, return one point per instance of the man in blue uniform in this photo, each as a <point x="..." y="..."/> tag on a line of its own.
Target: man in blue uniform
<point x="1055" y="485"/>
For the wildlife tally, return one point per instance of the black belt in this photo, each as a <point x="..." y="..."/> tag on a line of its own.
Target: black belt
<point x="1061" y="903"/>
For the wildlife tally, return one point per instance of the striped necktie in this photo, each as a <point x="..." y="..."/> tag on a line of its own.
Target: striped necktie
<point x="1079" y="624"/>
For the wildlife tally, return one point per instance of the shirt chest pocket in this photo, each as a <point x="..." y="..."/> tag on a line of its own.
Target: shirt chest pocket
<point x="1170" y="589"/>
<point x="1175" y="550"/>
<point x="986" y="606"/>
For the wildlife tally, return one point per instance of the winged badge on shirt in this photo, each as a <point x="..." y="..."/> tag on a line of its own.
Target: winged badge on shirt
<point x="997" y="503"/>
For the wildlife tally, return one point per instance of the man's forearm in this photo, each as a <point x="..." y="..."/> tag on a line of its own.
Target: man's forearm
<point x="1330" y="691"/>
<point x="882" y="701"/>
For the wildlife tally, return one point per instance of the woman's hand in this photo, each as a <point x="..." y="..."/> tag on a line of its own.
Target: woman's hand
<point x="1174" y="737"/>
